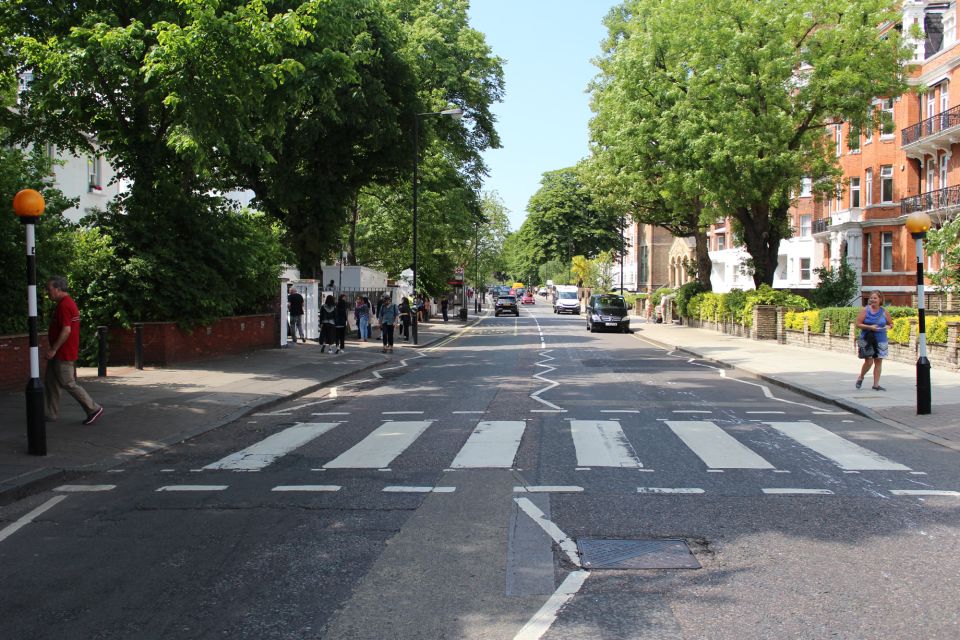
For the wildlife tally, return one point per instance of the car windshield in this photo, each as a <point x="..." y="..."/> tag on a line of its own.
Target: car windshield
<point x="568" y="295"/>
<point x="507" y="299"/>
<point x="609" y="301"/>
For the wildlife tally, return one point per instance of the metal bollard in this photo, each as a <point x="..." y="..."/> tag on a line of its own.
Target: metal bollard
<point x="138" y="345"/>
<point x="102" y="352"/>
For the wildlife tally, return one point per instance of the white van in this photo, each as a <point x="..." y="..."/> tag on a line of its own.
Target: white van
<point x="566" y="298"/>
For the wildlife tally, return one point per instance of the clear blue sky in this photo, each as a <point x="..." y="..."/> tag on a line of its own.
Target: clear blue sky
<point x="547" y="46"/>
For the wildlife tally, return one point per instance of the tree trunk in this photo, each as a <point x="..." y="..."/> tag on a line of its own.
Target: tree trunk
<point x="761" y="237"/>
<point x="704" y="264"/>
<point x="352" y="239"/>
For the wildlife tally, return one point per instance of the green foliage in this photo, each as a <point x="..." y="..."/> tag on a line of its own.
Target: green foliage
<point x="794" y="320"/>
<point x="766" y="295"/>
<point x="900" y="333"/>
<point x="657" y="295"/>
<point x="684" y="294"/>
<point x="556" y="270"/>
<point x="936" y="328"/>
<point x="837" y="286"/>
<point x="946" y="242"/>
<point x="840" y="319"/>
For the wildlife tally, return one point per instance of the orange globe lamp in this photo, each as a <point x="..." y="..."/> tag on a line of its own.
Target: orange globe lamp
<point x="28" y="203"/>
<point x="918" y="223"/>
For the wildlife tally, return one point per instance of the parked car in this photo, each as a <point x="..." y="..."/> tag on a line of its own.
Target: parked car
<point x="506" y="304"/>
<point x="528" y="298"/>
<point x="566" y="299"/>
<point x="608" y="311"/>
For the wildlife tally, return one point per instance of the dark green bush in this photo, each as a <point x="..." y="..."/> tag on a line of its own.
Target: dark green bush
<point x="684" y="294"/>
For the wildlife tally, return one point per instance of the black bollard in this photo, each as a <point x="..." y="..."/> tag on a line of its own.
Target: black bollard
<point x="102" y="352"/>
<point x="138" y="346"/>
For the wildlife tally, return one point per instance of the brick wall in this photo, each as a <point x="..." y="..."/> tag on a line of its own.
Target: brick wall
<point x="15" y="361"/>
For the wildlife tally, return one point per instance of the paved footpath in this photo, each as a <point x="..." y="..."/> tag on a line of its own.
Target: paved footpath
<point x="146" y="410"/>
<point x="827" y="375"/>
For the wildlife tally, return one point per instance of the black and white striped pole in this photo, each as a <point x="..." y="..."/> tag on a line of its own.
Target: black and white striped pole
<point x="918" y="224"/>
<point x="28" y="205"/>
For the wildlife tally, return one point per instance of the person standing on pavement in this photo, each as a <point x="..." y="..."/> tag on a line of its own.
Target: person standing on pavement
<point x="444" y="307"/>
<point x="387" y="317"/>
<point x="295" y="307"/>
<point x="363" y="318"/>
<point x="327" y="324"/>
<point x="64" y="337"/>
<point x="873" y="322"/>
<point x="405" y="311"/>
<point x="340" y="323"/>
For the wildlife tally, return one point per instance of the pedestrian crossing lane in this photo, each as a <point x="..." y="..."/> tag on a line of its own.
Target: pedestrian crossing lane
<point x="602" y="443"/>
<point x="492" y="444"/>
<point x="845" y="454"/>
<point x="717" y="448"/>
<point x="381" y="447"/>
<point x="265" y="452"/>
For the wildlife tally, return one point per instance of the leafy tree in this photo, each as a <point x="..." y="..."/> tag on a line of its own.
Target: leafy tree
<point x="837" y="287"/>
<point x="946" y="242"/>
<point x="740" y="91"/>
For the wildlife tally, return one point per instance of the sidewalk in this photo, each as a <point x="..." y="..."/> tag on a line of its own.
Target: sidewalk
<point x="150" y="409"/>
<point x="826" y="375"/>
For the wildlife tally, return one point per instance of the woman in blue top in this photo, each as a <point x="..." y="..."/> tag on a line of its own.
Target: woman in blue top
<point x="873" y="322"/>
<point x="387" y="316"/>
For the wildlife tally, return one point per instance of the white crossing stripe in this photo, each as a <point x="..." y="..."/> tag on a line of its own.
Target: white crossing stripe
<point x="844" y="453"/>
<point x="306" y="487"/>
<point x="798" y="492"/>
<point x="690" y="490"/>
<point x="717" y="448"/>
<point x="194" y="487"/>
<point x="602" y="443"/>
<point x="78" y="488"/>
<point x="493" y="444"/>
<point x="924" y="492"/>
<point x="411" y="489"/>
<point x="545" y="488"/>
<point x="379" y="449"/>
<point x="261" y="454"/>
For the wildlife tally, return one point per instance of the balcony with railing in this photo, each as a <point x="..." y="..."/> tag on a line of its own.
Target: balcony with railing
<point x="820" y="225"/>
<point x="943" y="201"/>
<point x="931" y="135"/>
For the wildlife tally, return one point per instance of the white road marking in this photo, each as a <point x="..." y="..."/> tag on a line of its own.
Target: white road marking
<point x="543" y="619"/>
<point x="493" y="444"/>
<point x="263" y="453"/>
<point x="79" y="488"/>
<point x="800" y="492"/>
<point x="332" y="413"/>
<point x="841" y="451"/>
<point x="379" y="449"/>
<point x="717" y="448"/>
<point x="755" y="413"/>
<point x="307" y="487"/>
<point x="550" y="383"/>
<point x="193" y="487"/>
<point x="402" y="489"/>
<point x="464" y="412"/>
<point x="691" y="411"/>
<point x="402" y="413"/>
<point x="682" y="490"/>
<point x="559" y="537"/>
<point x="547" y="410"/>
<point x="619" y="411"/>
<point x="548" y="489"/>
<point x="284" y="412"/>
<point x="11" y="529"/>
<point x="924" y="492"/>
<point x="602" y="443"/>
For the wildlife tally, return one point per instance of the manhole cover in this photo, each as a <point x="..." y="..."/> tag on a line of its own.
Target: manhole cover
<point x="598" y="553"/>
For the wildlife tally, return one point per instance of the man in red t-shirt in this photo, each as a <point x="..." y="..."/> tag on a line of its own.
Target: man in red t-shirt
<point x="64" y="337"/>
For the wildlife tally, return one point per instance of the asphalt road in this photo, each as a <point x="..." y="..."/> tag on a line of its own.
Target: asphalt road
<point x="445" y="496"/>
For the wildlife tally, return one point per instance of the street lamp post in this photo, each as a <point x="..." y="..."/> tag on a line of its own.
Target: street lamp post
<point x="456" y="114"/>
<point x="623" y="249"/>
<point x="918" y="224"/>
<point x="476" y="287"/>
<point x="29" y="205"/>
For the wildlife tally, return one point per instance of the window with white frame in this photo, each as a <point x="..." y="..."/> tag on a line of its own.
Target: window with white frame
<point x="944" y="164"/>
<point x="855" y="193"/>
<point x="838" y="135"/>
<point x="886" y="251"/>
<point x="931" y="172"/>
<point x="868" y="239"/>
<point x="932" y="102"/>
<point x="868" y="187"/>
<point x="804" y="269"/>
<point x="886" y="184"/>
<point x="853" y="139"/>
<point x="945" y="102"/>
<point x="806" y="187"/>
<point x="721" y="242"/>
<point x="94" y="180"/>
<point x="806" y="224"/>
<point x="887" y="125"/>
<point x="868" y="131"/>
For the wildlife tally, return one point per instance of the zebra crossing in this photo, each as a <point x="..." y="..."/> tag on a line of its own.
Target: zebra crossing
<point x="495" y="444"/>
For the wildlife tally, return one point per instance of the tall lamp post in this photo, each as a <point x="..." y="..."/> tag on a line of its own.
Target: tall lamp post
<point x="476" y="292"/>
<point x="29" y="205"/>
<point x="456" y="114"/>
<point x="918" y="223"/>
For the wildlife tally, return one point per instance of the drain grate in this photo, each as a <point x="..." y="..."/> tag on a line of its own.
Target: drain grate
<point x="599" y="553"/>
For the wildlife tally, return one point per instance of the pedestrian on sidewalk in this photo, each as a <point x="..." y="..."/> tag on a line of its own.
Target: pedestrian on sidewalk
<point x="873" y="322"/>
<point x="340" y="323"/>
<point x="64" y="337"/>
<point x="327" y="324"/>
<point x="295" y="307"/>
<point x="444" y="307"/>
<point x="387" y="317"/>
<point x="405" y="311"/>
<point x="363" y="318"/>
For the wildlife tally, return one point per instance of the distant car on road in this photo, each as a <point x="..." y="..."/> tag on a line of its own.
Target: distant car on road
<point x="506" y="304"/>
<point x="528" y="298"/>
<point x="608" y="311"/>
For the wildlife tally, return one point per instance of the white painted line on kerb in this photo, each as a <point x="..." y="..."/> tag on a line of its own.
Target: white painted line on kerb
<point x="80" y="488"/>
<point x="798" y="492"/>
<point x="543" y="619"/>
<point x="194" y="487"/>
<point x="717" y="448"/>
<point x="548" y="489"/>
<point x="263" y="453"/>
<point x="11" y="529"/>
<point x="379" y="449"/>
<point x="841" y="451"/>
<point x="402" y="489"/>
<point x="924" y="492"/>
<point x="307" y="487"/>
<point x="563" y="541"/>
<point x="680" y="490"/>
<point x="602" y="443"/>
<point x="493" y="444"/>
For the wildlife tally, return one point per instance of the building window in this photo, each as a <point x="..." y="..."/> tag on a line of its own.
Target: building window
<point x="838" y="134"/>
<point x="94" y="179"/>
<point x="887" y="125"/>
<point x="854" y="193"/>
<point x="931" y="185"/>
<point x="806" y="222"/>
<point x="869" y="249"/>
<point x="853" y="139"/>
<point x="868" y="187"/>
<point x="886" y="251"/>
<point x="868" y="132"/>
<point x="886" y="184"/>
<point x="944" y="163"/>
<point x="806" y="187"/>
<point x="804" y="269"/>
<point x="721" y="242"/>
<point x="933" y="28"/>
<point x="644" y="268"/>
